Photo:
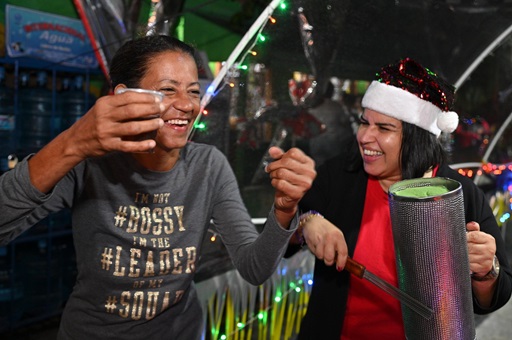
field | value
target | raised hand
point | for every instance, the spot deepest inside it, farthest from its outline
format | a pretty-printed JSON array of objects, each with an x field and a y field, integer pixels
[{"x": 291, "y": 174}]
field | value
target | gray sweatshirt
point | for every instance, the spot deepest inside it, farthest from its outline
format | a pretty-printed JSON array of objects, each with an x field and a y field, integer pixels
[{"x": 138, "y": 236}]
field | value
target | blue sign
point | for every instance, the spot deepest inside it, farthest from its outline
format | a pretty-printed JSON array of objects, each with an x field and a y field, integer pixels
[{"x": 51, "y": 37}]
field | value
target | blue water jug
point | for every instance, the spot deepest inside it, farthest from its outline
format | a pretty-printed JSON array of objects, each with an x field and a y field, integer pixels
[
  {"x": 7, "y": 122},
  {"x": 39, "y": 122},
  {"x": 74, "y": 101}
]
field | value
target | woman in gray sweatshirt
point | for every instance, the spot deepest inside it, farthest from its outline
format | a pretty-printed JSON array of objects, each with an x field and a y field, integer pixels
[{"x": 141, "y": 204}]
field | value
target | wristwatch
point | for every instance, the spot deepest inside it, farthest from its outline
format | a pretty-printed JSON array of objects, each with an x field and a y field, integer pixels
[{"x": 492, "y": 274}]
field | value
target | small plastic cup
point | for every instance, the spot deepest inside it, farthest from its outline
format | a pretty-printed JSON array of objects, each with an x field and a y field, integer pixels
[{"x": 159, "y": 95}]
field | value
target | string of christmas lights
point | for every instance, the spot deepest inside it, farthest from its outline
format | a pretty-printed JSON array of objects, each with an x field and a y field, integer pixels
[
  {"x": 235, "y": 309},
  {"x": 501, "y": 199},
  {"x": 235, "y": 61}
]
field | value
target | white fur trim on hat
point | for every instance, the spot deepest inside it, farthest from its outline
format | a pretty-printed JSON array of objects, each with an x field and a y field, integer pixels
[
  {"x": 403, "y": 105},
  {"x": 447, "y": 121}
]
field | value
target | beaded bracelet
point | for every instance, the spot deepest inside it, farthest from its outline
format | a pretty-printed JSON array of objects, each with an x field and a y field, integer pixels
[{"x": 303, "y": 218}]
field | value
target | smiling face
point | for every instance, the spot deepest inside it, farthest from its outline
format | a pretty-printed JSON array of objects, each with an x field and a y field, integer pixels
[
  {"x": 380, "y": 141},
  {"x": 175, "y": 75}
]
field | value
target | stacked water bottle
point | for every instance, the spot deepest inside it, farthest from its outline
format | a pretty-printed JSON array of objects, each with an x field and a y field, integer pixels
[
  {"x": 7, "y": 122},
  {"x": 73, "y": 101},
  {"x": 38, "y": 115},
  {"x": 34, "y": 114}
]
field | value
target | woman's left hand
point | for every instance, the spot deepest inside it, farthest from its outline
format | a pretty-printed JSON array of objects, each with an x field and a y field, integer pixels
[
  {"x": 481, "y": 249},
  {"x": 291, "y": 174}
]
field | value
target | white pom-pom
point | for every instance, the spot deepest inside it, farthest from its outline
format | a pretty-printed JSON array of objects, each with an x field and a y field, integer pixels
[{"x": 447, "y": 121}]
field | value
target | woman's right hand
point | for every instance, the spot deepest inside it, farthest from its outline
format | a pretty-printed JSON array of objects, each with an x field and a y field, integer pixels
[
  {"x": 325, "y": 241},
  {"x": 110, "y": 125},
  {"x": 113, "y": 123}
]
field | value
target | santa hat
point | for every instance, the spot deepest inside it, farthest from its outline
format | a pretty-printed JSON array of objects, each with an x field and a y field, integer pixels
[{"x": 411, "y": 93}]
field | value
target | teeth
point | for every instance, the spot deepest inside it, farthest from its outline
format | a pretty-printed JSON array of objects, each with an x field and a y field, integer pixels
[
  {"x": 372, "y": 153},
  {"x": 177, "y": 121}
]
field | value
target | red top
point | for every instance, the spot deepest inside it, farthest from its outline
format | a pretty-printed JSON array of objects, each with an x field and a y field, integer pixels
[{"x": 371, "y": 313}]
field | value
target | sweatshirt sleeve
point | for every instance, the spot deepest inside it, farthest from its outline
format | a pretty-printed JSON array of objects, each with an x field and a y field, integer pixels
[
  {"x": 255, "y": 255},
  {"x": 21, "y": 204}
]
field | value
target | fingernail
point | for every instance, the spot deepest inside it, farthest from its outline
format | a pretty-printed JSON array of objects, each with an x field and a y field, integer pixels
[
  {"x": 162, "y": 107},
  {"x": 338, "y": 268}
]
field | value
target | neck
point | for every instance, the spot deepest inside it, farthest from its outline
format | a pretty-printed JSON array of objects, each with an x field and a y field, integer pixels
[
  {"x": 158, "y": 160},
  {"x": 385, "y": 183},
  {"x": 429, "y": 173}
]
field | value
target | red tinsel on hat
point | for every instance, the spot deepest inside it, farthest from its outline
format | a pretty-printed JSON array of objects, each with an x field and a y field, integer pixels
[{"x": 397, "y": 86}]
